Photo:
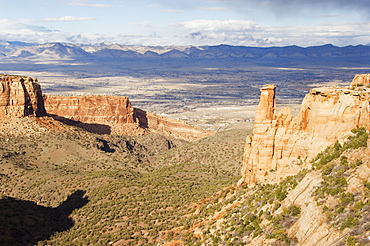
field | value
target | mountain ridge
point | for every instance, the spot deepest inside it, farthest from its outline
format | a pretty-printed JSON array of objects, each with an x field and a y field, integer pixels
[{"x": 76, "y": 51}]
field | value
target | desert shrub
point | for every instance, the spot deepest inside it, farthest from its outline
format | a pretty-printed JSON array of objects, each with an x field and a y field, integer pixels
[
  {"x": 280, "y": 235},
  {"x": 330, "y": 153},
  {"x": 346, "y": 198},
  {"x": 351, "y": 240},
  {"x": 348, "y": 222}
]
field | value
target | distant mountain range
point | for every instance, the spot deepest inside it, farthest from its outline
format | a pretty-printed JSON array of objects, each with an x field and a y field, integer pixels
[{"x": 116, "y": 51}]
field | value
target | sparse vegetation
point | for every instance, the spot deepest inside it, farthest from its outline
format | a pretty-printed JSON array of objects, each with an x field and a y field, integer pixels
[
  {"x": 134, "y": 197},
  {"x": 147, "y": 196}
]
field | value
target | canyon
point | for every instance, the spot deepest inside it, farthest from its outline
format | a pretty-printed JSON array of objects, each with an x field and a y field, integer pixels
[
  {"x": 282, "y": 145},
  {"x": 148, "y": 192},
  {"x": 22, "y": 96}
]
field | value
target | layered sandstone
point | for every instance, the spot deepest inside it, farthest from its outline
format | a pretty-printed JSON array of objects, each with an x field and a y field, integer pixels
[
  {"x": 101, "y": 114},
  {"x": 170, "y": 127},
  {"x": 361, "y": 79},
  {"x": 20, "y": 96},
  {"x": 115, "y": 115},
  {"x": 282, "y": 145}
]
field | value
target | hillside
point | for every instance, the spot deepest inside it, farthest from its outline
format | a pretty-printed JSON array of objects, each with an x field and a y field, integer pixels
[
  {"x": 127, "y": 198},
  {"x": 327, "y": 204},
  {"x": 63, "y": 185}
]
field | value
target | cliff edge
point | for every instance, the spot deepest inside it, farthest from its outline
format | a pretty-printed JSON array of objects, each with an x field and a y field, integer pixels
[
  {"x": 281, "y": 145},
  {"x": 115, "y": 115},
  {"x": 20, "y": 96}
]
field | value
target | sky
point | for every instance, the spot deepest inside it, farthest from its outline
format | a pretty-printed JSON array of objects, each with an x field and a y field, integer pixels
[{"x": 257, "y": 23}]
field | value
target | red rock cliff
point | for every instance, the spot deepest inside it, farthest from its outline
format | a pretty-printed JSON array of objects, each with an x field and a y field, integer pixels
[
  {"x": 117, "y": 113},
  {"x": 170, "y": 127},
  {"x": 280, "y": 144},
  {"x": 20, "y": 96},
  {"x": 114, "y": 112}
]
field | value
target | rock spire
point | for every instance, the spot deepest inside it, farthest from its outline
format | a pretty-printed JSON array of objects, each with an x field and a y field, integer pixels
[{"x": 281, "y": 145}]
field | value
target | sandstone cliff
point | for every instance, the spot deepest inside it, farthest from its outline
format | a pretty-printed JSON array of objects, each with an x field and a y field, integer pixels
[
  {"x": 282, "y": 145},
  {"x": 115, "y": 115},
  {"x": 100, "y": 114},
  {"x": 169, "y": 127},
  {"x": 20, "y": 96},
  {"x": 361, "y": 79}
]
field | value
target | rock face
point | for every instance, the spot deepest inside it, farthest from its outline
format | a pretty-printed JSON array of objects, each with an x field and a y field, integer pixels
[
  {"x": 20, "y": 96},
  {"x": 169, "y": 127},
  {"x": 282, "y": 145},
  {"x": 115, "y": 115},
  {"x": 361, "y": 79},
  {"x": 102, "y": 114}
]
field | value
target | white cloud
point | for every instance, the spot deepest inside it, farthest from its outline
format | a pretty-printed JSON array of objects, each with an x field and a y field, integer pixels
[
  {"x": 84, "y": 3},
  {"x": 239, "y": 32},
  {"x": 204, "y": 32},
  {"x": 144, "y": 24},
  {"x": 173, "y": 10},
  {"x": 67, "y": 19},
  {"x": 154, "y": 6},
  {"x": 218, "y": 25},
  {"x": 214, "y": 9}
]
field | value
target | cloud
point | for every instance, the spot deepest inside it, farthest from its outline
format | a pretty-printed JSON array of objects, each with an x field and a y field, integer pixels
[
  {"x": 154, "y": 6},
  {"x": 173, "y": 10},
  {"x": 144, "y": 24},
  {"x": 338, "y": 3},
  {"x": 214, "y": 9},
  {"x": 241, "y": 32},
  {"x": 67, "y": 19},
  {"x": 218, "y": 25},
  {"x": 15, "y": 31},
  {"x": 83, "y": 3},
  {"x": 204, "y": 32}
]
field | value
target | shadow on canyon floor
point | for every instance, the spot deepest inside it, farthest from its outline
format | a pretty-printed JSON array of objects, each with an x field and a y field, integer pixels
[
  {"x": 25, "y": 223},
  {"x": 93, "y": 128}
]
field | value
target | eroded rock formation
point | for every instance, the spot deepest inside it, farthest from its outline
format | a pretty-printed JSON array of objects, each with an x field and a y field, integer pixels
[
  {"x": 170, "y": 127},
  {"x": 101, "y": 114},
  {"x": 115, "y": 115},
  {"x": 20, "y": 96},
  {"x": 361, "y": 79},
  {"x": 282, "y": 145}
]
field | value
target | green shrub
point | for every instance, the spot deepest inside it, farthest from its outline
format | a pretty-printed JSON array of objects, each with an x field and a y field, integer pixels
[
  {"x": 348, "y": 222},
  {"x": 351, "y": 240},
  {"x": 280, "y": 235}
]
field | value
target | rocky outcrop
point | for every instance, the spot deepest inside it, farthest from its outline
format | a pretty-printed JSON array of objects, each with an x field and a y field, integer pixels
[
  {"x": 361, "y": 79},
  {"x": 281, "y": 145},
  {"x": 20, "y": 96},
  {"x": 115, "y": 115},
  {"x": 170, "y": 127},
  {"x": 311, "y": 228},
  {"x": 100, "y": 114}
]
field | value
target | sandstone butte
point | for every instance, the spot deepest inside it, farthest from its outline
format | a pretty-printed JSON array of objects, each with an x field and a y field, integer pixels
[
  {"x": 281, "y": 145},
  {"x": 22, "y": 96},
  {"x": 117, "y": 116}
]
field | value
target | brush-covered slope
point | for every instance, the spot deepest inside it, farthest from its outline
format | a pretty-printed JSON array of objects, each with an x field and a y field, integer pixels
[
  {"x": 326, "y": 204},
  {"x": 103, "y": 188}
]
